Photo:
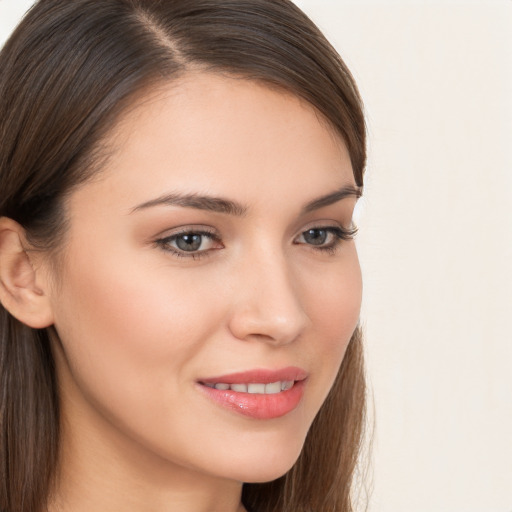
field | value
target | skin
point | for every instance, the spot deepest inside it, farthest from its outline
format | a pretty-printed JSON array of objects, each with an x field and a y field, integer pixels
[{"x": 138, "y": 325}]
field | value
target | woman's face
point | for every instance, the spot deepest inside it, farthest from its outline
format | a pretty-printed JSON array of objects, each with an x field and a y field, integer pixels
[{"x": 209, "y": 251}]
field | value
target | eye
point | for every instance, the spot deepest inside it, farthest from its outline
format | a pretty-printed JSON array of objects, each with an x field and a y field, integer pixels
[
  {"x": 190, "y": 243},
  {"x": 316, "y": 236},
  {"x": 325, "y": 238}
]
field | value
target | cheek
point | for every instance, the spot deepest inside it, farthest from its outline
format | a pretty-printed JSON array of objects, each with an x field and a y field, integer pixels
[
  {"x": 130, "y": 334},
  {"x": 334, "y": 309},
  {"x": 121, "y": 321}
]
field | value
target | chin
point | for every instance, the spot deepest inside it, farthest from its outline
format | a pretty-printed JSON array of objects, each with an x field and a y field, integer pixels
[
  {"x": 267, "y": 474},
  {"x": 261, "y": 463}
]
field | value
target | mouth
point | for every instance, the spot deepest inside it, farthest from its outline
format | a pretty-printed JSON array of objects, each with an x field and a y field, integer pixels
[
  {"x": 254, "y": 388},
  {"x": 258, "y": 394}
]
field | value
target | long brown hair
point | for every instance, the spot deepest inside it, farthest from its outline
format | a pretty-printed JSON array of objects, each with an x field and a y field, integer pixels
[{"x": 66, "y": 74}]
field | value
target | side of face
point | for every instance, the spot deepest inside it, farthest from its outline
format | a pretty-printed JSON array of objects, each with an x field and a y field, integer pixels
[{"x": 162, "y": 291}]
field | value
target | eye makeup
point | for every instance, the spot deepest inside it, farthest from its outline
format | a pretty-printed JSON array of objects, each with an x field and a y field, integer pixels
[{"x": 195, "y": 243}]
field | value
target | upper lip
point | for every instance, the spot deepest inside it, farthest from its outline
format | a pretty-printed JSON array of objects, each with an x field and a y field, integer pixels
[{"x": 259, "y": 375}]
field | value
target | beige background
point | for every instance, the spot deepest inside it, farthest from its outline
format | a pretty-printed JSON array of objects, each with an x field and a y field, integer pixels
[{"x": 435, "y": 243}]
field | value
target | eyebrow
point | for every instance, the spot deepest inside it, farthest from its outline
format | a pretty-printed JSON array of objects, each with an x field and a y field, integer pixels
[
  {"x": 229, "y": 207},
  {"x": 210, "y": 203},
  {"x": 334, "y": 197}
]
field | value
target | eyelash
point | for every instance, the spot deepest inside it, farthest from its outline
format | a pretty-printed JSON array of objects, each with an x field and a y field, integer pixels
[
  {"x": 164, "y": 243},
  {"x": 340, "y": 234}
]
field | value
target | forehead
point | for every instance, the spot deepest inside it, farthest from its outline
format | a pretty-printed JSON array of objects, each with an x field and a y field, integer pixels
[
  {"x": 207, "y": 131},
  {"x": 210, "y": 93}
]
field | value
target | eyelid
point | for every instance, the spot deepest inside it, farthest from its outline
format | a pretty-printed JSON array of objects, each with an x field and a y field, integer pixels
[
  {"x": 164, "y": 240},
  {"x": 347, "y": 232},
  {"x": 339, "y": 232},
  {"x": 186, "y": 228},
  {"x": 336, "y": 229}
]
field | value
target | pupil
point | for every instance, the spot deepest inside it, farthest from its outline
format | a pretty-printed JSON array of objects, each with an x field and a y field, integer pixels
[
  {"x": 189, "y": 242},
  {"x": 315, "y": 236}
]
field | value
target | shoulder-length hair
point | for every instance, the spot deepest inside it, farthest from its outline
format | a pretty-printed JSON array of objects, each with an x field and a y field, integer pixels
[{"x": 66, "y": 74}]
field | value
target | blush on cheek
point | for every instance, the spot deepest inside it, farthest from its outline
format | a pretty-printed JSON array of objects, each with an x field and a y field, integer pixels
[
  {"x": 337, "y": 307},
  {"x": 335, "y": 315},
  {"x": 133, "y": 314}
]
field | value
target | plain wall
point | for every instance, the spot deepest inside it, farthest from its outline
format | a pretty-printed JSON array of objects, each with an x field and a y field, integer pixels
[{"x": 435, "y": 243}]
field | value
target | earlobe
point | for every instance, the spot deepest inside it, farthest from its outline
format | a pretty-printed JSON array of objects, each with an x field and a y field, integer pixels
[{"x": 21, "y": 292}]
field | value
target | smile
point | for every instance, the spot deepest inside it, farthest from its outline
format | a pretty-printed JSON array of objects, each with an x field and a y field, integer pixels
[
  {"x": 254, "y": 388},
  {"x": 258, "y": 394}
]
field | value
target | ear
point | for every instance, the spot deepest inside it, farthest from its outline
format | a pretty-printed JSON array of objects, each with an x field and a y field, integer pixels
[{"x": 22, "y": 287}]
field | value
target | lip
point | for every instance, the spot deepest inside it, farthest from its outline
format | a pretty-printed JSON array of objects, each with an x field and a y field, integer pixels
[
  {"x": 258, "y": 406},
  {"x": 260, "y": 375}
]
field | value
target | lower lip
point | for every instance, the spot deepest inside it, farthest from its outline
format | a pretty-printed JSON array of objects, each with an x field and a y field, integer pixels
[{"x": 258, "y": 406}]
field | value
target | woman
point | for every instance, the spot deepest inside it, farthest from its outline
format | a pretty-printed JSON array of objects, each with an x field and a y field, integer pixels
[{"x": 179, "y": 283}]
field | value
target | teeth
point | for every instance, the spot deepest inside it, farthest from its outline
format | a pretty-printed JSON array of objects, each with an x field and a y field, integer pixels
[
  {"x": 271, "y": 389},
  {"x": 286, "y": 384},
  {"x": 255, "y": 388}
]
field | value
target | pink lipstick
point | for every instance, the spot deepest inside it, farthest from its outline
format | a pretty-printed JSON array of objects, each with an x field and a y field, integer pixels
[{"x": 259, "y": 393}]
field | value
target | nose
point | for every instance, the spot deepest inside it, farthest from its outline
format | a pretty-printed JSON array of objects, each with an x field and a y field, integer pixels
[{"x": 267, "y": 303}]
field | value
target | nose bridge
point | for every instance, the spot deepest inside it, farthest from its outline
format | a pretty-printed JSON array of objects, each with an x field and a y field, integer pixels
[{"x": 267, "y": 303}]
